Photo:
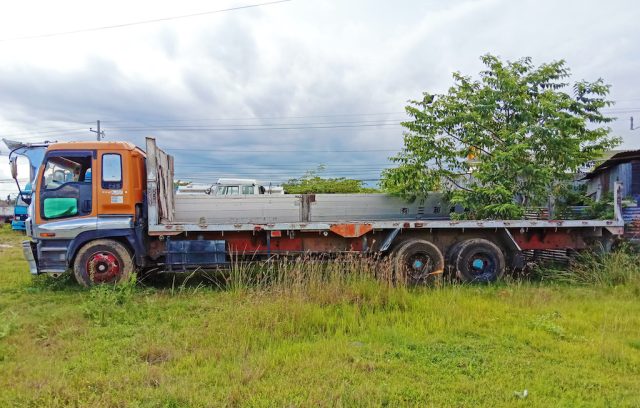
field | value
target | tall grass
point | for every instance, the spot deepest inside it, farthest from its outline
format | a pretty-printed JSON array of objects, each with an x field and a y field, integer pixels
[
  {"x": 351, "y": 278},
  {"x": 618, "y": 267},
  {"x": 307, "y": 271}
]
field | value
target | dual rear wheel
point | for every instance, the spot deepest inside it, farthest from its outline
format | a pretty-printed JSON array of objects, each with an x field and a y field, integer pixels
[{"x": 474, "y": 260}]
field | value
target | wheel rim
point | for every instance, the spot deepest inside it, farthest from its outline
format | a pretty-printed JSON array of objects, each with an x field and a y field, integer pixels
[
  {"x": 419, "y": 266},
  {"x": 482, "y": 266},
  {"x": 103, "y": 267}
]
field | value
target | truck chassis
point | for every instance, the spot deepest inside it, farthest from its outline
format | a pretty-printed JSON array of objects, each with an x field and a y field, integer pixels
[{"x": 136, "y": 221}]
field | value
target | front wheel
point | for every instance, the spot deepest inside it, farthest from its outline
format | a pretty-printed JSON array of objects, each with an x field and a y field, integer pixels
[{"x": 102, "y": 261}]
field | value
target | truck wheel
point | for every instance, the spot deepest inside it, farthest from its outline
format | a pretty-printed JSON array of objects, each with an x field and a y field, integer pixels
[
  {"x": 102, "y": 261},
  {"x": 450, "y": 258},
  {"x": 479, "y": 260},
  {"x": 419, "y": 262}
]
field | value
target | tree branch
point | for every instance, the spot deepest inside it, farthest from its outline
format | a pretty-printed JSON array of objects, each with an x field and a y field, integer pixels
[
  {"x": 460, "y": 140},
  {"x": 457, "y": 185},
  {"x": 491, "y": 132}
]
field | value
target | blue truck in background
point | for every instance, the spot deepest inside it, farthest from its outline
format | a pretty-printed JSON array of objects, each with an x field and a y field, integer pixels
[{"x": 20, "y": 210}]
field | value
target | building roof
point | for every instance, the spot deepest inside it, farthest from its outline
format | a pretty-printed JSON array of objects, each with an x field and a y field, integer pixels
[{"x": 612, "y": 159}]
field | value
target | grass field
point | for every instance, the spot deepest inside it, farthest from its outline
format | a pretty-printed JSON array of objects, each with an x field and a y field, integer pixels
[{"x": 361, "y": 344}]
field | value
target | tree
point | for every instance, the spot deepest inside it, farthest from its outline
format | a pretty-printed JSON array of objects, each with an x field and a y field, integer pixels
[
  {"x": 311, "y": 183},
  {"x": 513, "y": 138}
]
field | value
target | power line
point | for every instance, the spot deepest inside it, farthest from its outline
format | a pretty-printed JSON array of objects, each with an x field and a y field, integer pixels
[
  {"x": 281, "y": 171},
  {"x": 222, "y": 150},
  {"x": 287, "y": 165},
  {"x": 276, "y": 181},
  {"x": 155, "y": 20},
  {"x": 620, "y": 110},
  {"x": 47, "y": 131},
  {"x": 228, "y": 127},
  {"x": 245, "y": 129},
  {"x": 262, "y": 117},
  {"x": 326, "y": 166},
  {"x": 149, "y": 126}
]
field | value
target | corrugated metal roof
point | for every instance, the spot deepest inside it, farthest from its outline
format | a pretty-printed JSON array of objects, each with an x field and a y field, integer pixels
[{"x": 614, "y": 159}]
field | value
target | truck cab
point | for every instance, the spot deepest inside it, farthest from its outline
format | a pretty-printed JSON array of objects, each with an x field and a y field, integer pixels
[{"x": 82, "y": 192}]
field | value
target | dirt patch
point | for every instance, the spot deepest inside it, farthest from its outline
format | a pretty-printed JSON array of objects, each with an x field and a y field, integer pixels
[{"x": 155, "y": 355}]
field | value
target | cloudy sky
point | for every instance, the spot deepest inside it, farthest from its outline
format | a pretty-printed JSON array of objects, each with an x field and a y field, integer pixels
[{"x": 272, "y": 91}]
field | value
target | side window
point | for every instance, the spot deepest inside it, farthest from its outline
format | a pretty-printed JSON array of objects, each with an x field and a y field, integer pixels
[
  {"x": 111, "y": 171},
  {"x": 233, "y": 190},
  {"x": 247, "y": 190},
  {"x": 61, "y": 170},
  {"x": 66, "y": 185}
]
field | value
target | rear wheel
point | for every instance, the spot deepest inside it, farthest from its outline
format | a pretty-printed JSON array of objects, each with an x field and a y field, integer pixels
[
  {"x": 450, "y": 259},
  {"x": 418, "y": 262},
  {"x": 478, "y": 260},
  {"x": 102, "y": 261}
]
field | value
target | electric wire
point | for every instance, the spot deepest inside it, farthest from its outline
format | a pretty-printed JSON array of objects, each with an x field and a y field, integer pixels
[{"x": 150, "y": 21}]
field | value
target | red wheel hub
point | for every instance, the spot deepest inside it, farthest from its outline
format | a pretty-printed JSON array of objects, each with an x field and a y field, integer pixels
[{"x": 103, "y": 267}]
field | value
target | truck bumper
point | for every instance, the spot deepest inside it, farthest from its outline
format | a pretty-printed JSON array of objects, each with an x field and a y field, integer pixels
[{"x": 27, "y": 249}]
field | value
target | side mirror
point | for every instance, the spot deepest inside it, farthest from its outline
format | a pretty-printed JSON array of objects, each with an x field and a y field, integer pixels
[{"x": 14, "y": 167}]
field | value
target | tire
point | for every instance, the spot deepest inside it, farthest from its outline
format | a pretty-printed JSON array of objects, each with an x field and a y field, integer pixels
[
  {"x": 479, "y": 261},
  {"x": 450, "y": 258},
  {"x": 102, "y": 261},
  {"x": 418, "y": 262}
]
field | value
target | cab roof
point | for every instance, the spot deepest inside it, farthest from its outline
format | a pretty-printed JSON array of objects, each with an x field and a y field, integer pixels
[{"x": 93, "y": 146}]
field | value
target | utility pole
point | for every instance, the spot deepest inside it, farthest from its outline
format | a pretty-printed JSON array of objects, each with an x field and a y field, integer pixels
[
  {"x": 631, "y": 127},
  {"x": 98, "y": 132}
]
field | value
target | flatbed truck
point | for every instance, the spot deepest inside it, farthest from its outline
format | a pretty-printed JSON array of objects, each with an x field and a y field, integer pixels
[{"x": 107, "y": 209}]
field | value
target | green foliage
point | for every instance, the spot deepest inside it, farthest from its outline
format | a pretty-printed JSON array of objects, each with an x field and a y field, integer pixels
[
  {"x": 570, "y": 197},
  {"x": 513, "y": 138},
  {"x": 484, "y": 202},
  {"x": 601, "y": 210},
  {"x": 179, "y": 183},
  {"x": 46, "y": 282},
  {"x": 312, "y": 183},
  {"x": 575, "y": 195}
]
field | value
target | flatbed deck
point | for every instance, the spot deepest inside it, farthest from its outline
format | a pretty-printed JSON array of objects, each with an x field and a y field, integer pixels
[{"x": 170, "y": 214}]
